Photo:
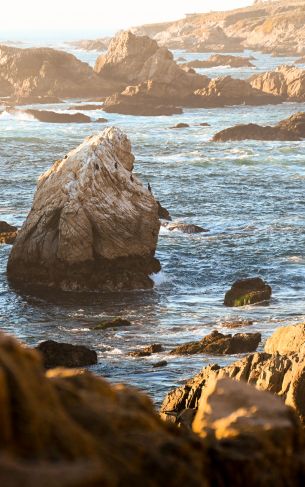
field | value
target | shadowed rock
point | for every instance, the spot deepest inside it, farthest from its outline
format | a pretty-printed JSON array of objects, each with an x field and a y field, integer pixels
[
  {"x": 287, "y": 82},
  {"x": 219, "y": 344},
  {"x": 116, "y": 323},
  {"x": 53, "y": 117},
  {"x": 65, "y": 355},
  {"x": 8, "y": 233},
  {"x": 91, "y": 226},
  {"x": 147, "y": 351},
  {"x": 184, "y": 228},
  {"x": 248, "y": 291}
]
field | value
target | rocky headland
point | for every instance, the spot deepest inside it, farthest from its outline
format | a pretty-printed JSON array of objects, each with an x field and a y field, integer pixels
[{"x": 92, "y": 226}]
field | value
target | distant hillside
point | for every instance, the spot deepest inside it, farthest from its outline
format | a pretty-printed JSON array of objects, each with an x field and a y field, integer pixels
[{"x": 268, "y": 25}]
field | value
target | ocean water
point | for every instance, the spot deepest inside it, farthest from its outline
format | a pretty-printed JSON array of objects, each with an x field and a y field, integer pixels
[{"x": 249, "y": 195}]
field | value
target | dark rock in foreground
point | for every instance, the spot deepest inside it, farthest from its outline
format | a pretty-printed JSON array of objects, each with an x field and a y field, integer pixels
[
  {"x": 219, "y": 344},
  {"x": 8, "y": 233},
  {"x": 93, "y": 226},
  {"x": 65, "y": 355},
  {"x": 248, "y": 291},
  {"x": 291, "y": 129}
]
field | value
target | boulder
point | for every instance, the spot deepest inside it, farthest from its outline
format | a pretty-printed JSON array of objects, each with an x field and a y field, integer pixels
[
  {"x": 56, "y": 354},
  {"x": 248, "y": 291},
  {"x": 147, "y": 351},
  {"x": 180, "y": 125},
  {"x": 92, "y": 226},
  {"x": 249, "y": 432},
  {"x": 218, "y": 344},
  {"x": 162, "y": 363},
  {"x": 8, "y": 233},
  {"x": 225, "y": 90},
  {"x": 292, "y": 128},
  {"x": 287, "y": 82},
  {"x": 47, "y": 72},
  {"x": 116, "y": 323},
  {"x": 286, "y": 340},
  {"x": 184, "y": 227},
  {"x": 69, "y": 428},
  {"x": 221, "y": 60}
]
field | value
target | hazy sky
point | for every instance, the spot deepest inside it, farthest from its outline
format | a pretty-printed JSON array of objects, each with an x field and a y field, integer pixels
[{"x": 94, "y": 17}]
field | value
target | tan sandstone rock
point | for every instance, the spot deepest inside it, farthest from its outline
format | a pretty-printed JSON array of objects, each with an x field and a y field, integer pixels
[
  {"x": 286, "y": 340},
  {"x": 285, "y": 81},
  {"x": 92, "y": 226}
]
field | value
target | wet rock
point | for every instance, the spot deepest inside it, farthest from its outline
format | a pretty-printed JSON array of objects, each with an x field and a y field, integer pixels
[
  {"x": 69, "y": 428},
  {"x": 292, "y": 128},
  {"x": 101, "y": 120},
  {"x": 35, "y": 72},
  {"x": 147, "y": 351},
  {"x": 65, "y": 355},
  {"x": 86, "y": 107},
  {"x": 91, "y": 228},
  {"x": 221, "y": 60},
  {"x": 286, "y": 340},
  {"x": 54, "y": 117},
  {"x": 163, "y": 212},
  {"x": 8, "y": 233},
  {"x": 249, "y": 431},
  {"x": 248, "y": 291},
  {"x": 204, "y": 124},
  {"x": 236, "y": 323},
  {"x": 180, "y": 125},
  {"x": 184, "y": 228},
  {"x": 217, "y": 343},
  {"x": 162, "y": 363},
  {"x": 116, "y": 323}
]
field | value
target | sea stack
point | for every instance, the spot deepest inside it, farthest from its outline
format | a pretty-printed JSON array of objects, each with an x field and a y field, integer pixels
[{"x": 91, "y": 226}]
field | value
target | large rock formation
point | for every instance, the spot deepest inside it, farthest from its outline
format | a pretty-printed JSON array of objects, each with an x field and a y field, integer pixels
[
  {"x": 285, "y": 81},
  {"x": 68, "y": 428},
  {"x": 275, "y": 27},
  {"x": 92, "y": 226},
  {"x": 286, "y": 340},
  {"x": 292, "y": 128},
  {"x": 46, "y": 72}
]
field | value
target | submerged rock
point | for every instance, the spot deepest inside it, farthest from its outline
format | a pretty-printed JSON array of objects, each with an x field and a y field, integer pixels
[
  {"x": 239, "y": 323},
  {"x": 116, "y": 323},
  {"x": 221, "y": 60},
  {"x": 180, "y": 125},
  {"x": 8, "y": 233},
  {"x": 217, "y": 343},
  {"x": 92, "y": 226},
  {"x": 53, "y": 117},
  {"x": 184, "y": 227},
  {"x": 292, "y": 128},
  {"x": 65, "y": 355},
  {"x": 162, "y": 363},
  {"x": 147, "y": 351},
  {"x": 248, "y": 291}
]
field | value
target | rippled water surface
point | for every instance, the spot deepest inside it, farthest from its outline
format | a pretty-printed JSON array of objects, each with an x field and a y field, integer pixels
[{"x": 249, "y": 195}]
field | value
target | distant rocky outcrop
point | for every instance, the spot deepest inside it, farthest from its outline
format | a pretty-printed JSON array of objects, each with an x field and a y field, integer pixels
[
  {"x": 293, "y": 128},
  {"x": 287, "y": 82},
  {"x": 90, "y": 44},
  {"x": 248, "y": 291},
  {"x": 57, "y": 354},
  {"x": 45, "y": 72},
  {"x": 220, "y": 344},
  {"x": 92, "y": 226},
  {"x": 221, "y": 60},
  {"x": 8, "y": 233}
]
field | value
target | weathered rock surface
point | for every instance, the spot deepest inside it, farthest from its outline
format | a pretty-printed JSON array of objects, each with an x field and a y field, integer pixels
[
  {"x": 184, "y": 227},
  {"x": 286, "y": 340},
  {"x": 219, "y": 344},
  {"x": 68, "y": 428},
  {"x": 251, "y": 432},
  {"x": 293, "y": 128},
  {"x": 92, "y": 226},
  {"x": 8, "y": 233},
  {"x": 57, "y": 354},
  {"x": 225, "y": 90},
  {"x": 147, "y": 351},
  {"x": 47, "y": 72},
  {"x": 221, "y": 60},
  {"x": 248, "y": 291},
  {"x": 287, "y": 82}
]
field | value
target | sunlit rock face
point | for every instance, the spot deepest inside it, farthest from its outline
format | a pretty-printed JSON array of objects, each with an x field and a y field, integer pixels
[
  {"x": 285, "y": 81},
  {"x": 92, "y": 226}
]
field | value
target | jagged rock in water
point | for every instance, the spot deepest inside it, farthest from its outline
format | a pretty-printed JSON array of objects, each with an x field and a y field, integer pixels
[
  {"x": 92, "y": 226},
  {"x": 164, "y": 214},
  {"x": 184, "y": 227},
  {"x": 217, "y": 343},
  {"x": 68, "y": 428},
  {"x": 8, "y": 233},
  {"x": 52, "y": 117},
  {"x": 147, "y": 351},
  {"x": 248, "y": 291},
  {"x": 46, "y": 72},
  {"x": 116, "y": 323},
  {"x": 57, "y": 354},
  {"x": 221, "y": 60},
  {"x": 286, "y": 340},
  {"x": 225, "y": 90},
  {"x": 249, "y": 432},
  {"x": 285, "y": 81}
]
